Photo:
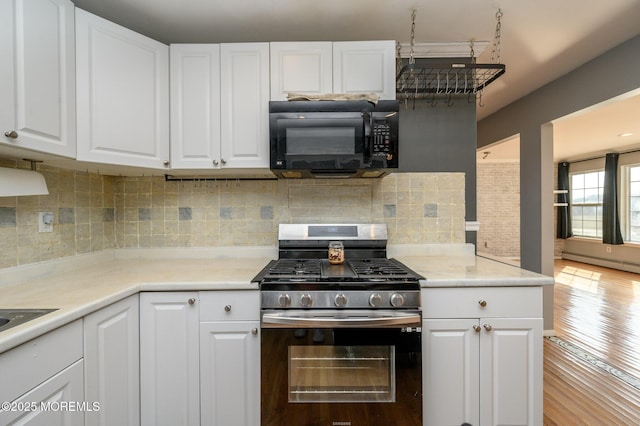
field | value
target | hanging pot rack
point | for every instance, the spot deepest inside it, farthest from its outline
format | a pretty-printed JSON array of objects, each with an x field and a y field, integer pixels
[{"x": 426, "y": 81}]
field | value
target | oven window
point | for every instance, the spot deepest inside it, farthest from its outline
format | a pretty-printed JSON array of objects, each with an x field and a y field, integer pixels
[
  {"x": 342, "y": 374},
  {"x": 321, "y": 140}
]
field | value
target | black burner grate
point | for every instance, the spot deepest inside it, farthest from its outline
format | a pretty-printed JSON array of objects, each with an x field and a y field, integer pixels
[
  {"x": 382, "y": 267},
  {"x": 296, "y": 267}
]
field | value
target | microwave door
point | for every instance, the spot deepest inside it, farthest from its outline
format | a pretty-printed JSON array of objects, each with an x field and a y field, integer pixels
[{"x": 323, "y": 137}]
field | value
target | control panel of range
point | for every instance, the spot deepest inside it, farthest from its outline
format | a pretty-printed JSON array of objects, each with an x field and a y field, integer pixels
[{"x": 340, "y": 299}]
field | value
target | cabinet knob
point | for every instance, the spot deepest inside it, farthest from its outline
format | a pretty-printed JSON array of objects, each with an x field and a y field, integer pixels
[
  {"x": 166, "y": 163},
  {"x": 216, "y": 162},
  {"x": 11, "y": 134},
  {"x": 482, "y": 303},
  {"x": 223, "y": 161},
  {"x": 254, "y": 331},
  {"x": 191, "y": 301},
  {"x": 227, "y": 308},
  {"x": 488, "y": 327},
  {"x": 477, "y": 328}
]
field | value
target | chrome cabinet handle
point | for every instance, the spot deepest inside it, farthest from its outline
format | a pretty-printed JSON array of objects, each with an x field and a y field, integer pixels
[
  {"x": 254, "y": 331},
  {"x": 227, "y": 308},
  {"x": 223, "y": 161},
  {"x": 216, "y": 162},
  {"x": 12, "y": 134},
  {"x": 488, "y": 327},
  {"x": 191, "y": 301},
  {"x": 166, "y": 163},
  {"x": 477, "y": 328},
  {"x": 482, "y": 303}
]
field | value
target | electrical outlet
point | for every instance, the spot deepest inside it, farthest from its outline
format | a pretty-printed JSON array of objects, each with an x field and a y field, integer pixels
[
  {"x": 45, "y": 222},
  {"x": 608, "y": 249}
]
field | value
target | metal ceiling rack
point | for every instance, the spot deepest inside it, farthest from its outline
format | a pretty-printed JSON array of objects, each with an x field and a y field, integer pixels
[
  {"x": 426, "y": 81},
  {"x": 446, "y": 78}
]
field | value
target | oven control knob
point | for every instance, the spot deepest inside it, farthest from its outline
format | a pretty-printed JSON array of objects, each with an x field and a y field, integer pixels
[
  {"x": 306, "y": 301},
  {"x": 397, "y": 300},
  {"x": 284, "y": 300},
  {"x": 340, "y": 300},
  {"x": 375, "y": 300}
]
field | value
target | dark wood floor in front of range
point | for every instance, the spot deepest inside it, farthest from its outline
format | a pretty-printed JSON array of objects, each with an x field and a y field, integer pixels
[{"x": 592, "y": 369}]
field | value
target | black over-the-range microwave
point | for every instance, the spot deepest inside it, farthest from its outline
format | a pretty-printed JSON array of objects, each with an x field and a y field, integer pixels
[{"x": 333, "y": 139}]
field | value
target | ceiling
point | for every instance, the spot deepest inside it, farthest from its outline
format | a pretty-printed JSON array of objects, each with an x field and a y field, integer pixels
[
  {"x": 540, "y": 40},
  {"x": 612, "y": 126}
]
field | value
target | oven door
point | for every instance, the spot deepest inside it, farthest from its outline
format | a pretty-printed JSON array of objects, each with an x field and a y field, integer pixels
[{"x": 348, "y": 368}]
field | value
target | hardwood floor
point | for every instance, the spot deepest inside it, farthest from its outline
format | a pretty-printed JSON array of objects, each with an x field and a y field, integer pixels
[{"x": 592, "y": 369}]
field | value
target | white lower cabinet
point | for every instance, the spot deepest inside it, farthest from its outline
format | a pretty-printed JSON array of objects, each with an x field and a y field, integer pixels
[
  {"x": 46, "y": 380},
  {"x": 230, "y": 358},
  {"x": 200, "y": 358},
  {"x": 482, "y": 356},
  {"x": 58, "y": 401},
  {"x": 112, "y": 363},
  {"x": 169, "y": 359},
  {"x": 230, "y": 373}
]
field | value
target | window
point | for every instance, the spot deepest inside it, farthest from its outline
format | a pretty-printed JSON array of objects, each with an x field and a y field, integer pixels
[
  {"x": 586, "y": 204},
  {"x": 634, "y": 204}
]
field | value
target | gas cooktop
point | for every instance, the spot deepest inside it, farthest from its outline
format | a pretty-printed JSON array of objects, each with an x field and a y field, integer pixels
[{"x": 371, "y": 270}]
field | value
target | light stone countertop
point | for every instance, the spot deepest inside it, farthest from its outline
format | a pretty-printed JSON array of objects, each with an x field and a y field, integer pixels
[{"x": 83, "y": 284}]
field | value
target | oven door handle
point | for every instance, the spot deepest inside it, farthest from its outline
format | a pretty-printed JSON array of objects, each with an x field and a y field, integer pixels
[{"x": 340, "y": 319}]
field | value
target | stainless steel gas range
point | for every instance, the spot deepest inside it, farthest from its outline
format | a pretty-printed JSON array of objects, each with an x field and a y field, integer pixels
[{"x": 340, "y": 322}]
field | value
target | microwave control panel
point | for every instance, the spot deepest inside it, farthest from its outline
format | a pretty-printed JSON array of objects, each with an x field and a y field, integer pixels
[{"x": 381, "y": 137}]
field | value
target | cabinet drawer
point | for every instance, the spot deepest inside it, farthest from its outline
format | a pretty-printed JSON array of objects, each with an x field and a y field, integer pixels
[
  {"x": 479, "y": 302},
  {"x": 33, "y": 362},
  {"x": 230, "y": 305}
]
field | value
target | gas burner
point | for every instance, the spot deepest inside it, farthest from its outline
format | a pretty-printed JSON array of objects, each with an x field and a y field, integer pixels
[
  {"x": 382, "y": 266},
  {"x": 295, "y": 267}
]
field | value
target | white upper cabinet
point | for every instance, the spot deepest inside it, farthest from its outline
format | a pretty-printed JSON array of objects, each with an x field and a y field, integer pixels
[
  {"x": 122, "y": 93},
  {"x": 365, "y": 67},
  {"x": 195, "y": 106},
  {"x": 244, "y": 92},
  {"x": 349, "y": 67},
  {"x": 301, "y": 67},
  {"x": 37, "y": 75}
]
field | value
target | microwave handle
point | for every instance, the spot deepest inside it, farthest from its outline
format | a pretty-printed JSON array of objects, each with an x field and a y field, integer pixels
[{"x": 367, "y": 120}]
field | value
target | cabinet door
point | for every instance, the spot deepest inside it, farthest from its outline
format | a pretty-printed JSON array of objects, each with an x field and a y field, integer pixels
[
  {"x": 244, "y": 90},
  {"x": 123, "y": 95},
  {"x": 112, "y": 363},
  {"x": 230, "y": 373},
  {"x": 37, "y": 76},
  {"x": 301, "y": 67},
  {"x": 511, "y": 371},
  {"x": 195, "y": 106},
  {"x": 46, "y": 402},
  {"x": 169, "y": 370},
  {"x": 365, "y": 67},
  {"x": 450, "y": 380}
]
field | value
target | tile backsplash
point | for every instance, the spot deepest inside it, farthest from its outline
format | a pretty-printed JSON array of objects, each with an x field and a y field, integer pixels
[{"x": 95, "y": 212}]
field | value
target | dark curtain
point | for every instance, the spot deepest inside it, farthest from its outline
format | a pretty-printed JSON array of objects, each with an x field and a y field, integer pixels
[
  {"x": 610, "y": 221},
  {"x": 564, "y": 212}
]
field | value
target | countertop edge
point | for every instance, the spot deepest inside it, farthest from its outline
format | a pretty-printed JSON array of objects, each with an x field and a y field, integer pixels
[{"x": 487, "y": 282}]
